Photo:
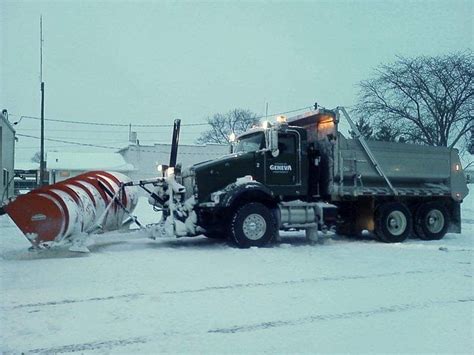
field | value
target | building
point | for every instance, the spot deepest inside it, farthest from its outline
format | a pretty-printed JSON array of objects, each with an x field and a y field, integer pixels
[
  {"x": 7, "y": 156},
  {"x": 146, "y": 158},
  {"x": 63, "y": 165}
]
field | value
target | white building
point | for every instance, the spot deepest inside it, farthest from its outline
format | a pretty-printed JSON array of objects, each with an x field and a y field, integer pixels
[
  {"x": 7, "y": 156},
  {"x": 146, "y": 158},
  {"x": 63, "y": 165}
]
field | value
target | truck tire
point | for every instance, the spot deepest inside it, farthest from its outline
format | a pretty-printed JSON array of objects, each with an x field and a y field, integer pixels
[
  {"x": 393, "y": 222},
  {"x": 431, "y": 221},
  {"x": 253, "y": 224}
]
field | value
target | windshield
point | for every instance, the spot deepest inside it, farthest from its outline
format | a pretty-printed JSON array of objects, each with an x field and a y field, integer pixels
[{"x": 250, "y": 143}]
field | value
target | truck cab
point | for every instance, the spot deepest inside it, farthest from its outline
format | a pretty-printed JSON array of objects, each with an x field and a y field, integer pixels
[
  {"x": 279, "y": 167},
  {"x": 271, "y": 167}
]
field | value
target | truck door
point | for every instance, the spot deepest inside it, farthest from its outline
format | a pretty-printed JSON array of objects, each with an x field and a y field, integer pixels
[{"x": 282, "y": 173}]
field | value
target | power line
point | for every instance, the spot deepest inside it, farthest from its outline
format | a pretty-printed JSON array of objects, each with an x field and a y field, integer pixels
[
  {"x": 106, "y": 124},
  {"x": 100, "y": 132},
  {"x": 94, "y": 139},
  {"x": 68, "y": 142},
  {"x": 110, "y": 147},
  {"x": 141, "y": 124},
  {"x": 122, "y": 125},
  {"x": 285, "y": 112},
  {"x": 49, "y": 147}
]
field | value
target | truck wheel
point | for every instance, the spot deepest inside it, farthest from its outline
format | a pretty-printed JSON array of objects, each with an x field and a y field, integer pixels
[
  {"x": 393, "y": 222},
  {"x": 253, "y": 225},
  {"x": 431, "y": 221}
]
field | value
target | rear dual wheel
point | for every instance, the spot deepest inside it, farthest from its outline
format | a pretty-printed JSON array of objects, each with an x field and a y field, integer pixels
[
  {"x": 393, "y": 222},
  {"x": 431, "y": 221}
]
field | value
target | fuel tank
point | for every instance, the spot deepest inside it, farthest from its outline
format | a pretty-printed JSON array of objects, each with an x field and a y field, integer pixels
[{"x": 77, "y": 205}]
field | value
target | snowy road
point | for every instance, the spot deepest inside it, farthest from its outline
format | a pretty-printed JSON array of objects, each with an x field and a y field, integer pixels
[{"x": 198, "y": 295}]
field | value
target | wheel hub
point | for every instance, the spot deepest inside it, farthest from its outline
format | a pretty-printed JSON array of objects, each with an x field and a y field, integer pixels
[
  {"x": 396, "y": 223},
  {"x": 254, "y": 226},
  {"x": 435, "y": 221}
]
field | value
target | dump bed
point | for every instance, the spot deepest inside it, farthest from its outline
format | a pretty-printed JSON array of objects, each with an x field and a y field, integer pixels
[
  {"x": 412, "y": 169},
  {"x": 354, "y": 167}
]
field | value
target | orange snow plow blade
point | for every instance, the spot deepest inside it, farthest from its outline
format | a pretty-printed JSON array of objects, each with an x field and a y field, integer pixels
[{"x": 81, "y": 204}]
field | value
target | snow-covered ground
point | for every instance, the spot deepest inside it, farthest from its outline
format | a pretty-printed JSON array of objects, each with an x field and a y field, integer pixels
[{"x": 132, "y": 294}]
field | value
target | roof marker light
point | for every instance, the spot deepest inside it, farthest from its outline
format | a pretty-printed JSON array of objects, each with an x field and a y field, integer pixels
[{"x": 281, "y": 119}]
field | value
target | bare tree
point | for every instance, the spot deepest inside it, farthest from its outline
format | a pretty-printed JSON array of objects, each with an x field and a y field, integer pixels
[
  {"x": 467, "y": 149},
  {"x": 470, "y": 143},
  {"x": 387, "y": 133},
  {"x": 365, "y": 128},
  {"x": 429, "y": 100},
  {"x": 221, "y": 125}
]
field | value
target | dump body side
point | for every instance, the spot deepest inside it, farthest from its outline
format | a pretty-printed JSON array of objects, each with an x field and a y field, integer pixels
[{"x": 411, "y": 168}]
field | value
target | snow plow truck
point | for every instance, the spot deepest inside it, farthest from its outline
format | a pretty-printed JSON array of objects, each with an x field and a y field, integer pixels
[{"x": 301, "y": 173}]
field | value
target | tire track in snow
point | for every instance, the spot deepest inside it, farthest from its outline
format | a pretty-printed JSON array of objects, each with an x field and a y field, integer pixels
[
  {"x": 336, "y": 316},
  {"x": 67, "y": 301},
  {"x": 89, "y": 346},
  {"x": 229, "y": 287},
  {"x": 111, "y": 344},
  {"x": 300, "y": 281}
]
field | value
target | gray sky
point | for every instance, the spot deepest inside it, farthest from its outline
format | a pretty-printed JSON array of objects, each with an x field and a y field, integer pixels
[{"x": 151, "y": 62}]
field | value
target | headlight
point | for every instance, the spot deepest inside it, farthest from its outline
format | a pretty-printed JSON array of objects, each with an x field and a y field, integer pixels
[{"x": 161, "y": 168}]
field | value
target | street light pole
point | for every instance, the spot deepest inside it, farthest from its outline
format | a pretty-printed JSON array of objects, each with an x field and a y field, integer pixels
[{"x": 42, "y": 162}]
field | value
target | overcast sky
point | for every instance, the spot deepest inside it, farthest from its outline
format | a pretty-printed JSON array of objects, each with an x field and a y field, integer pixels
[{"x": 153, "y": 61}]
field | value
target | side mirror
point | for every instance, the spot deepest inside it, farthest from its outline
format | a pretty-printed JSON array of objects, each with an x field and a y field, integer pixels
[{"x": 273, "y": 142}]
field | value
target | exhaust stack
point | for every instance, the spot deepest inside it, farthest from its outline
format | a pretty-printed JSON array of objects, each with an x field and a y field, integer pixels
[{"x": 175, "y": 143}]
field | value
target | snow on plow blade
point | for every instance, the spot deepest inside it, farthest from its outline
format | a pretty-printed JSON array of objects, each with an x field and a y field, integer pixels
[{"x": 79, "y": 205}]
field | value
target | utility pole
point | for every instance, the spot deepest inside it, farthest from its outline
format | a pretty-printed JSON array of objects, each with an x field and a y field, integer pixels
[{"x": 42, "y": 162}]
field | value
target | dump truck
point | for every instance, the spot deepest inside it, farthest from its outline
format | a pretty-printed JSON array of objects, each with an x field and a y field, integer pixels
[
  {"x": 302, "y": 173},
  {"x": 299, "y": 173}
]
